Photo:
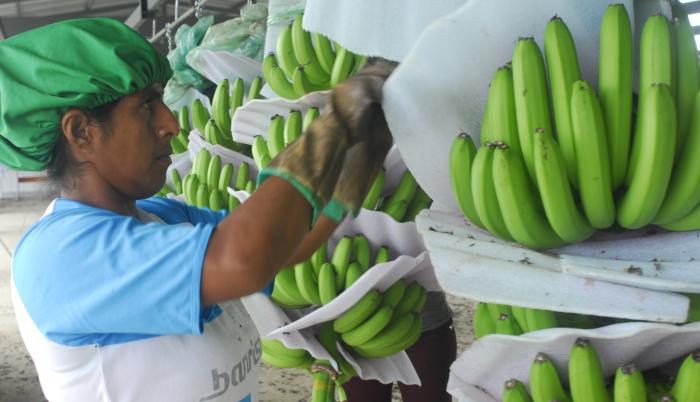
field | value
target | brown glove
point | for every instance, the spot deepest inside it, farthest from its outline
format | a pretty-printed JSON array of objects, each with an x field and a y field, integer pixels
[{"x": 357, "y": 103}]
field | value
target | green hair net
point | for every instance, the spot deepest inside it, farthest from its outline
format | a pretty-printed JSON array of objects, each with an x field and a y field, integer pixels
[{"x": 80, "y": 63}]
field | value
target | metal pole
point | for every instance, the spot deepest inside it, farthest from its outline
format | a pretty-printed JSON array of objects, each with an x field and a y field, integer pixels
[{"x": 177, "y": 22}]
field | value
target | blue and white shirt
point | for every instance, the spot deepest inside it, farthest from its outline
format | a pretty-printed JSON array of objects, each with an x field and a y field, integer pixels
[{"x": 109, "y": 307}]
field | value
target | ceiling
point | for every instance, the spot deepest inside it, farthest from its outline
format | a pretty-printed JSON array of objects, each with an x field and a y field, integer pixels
[{"x": 20, "y": 15}]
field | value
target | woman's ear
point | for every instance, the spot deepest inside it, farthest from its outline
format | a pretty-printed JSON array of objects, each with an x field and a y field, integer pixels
[{"x": 76, "y": 128}]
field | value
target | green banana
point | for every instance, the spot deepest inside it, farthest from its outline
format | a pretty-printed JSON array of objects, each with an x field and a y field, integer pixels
[
  {"x": 261, "y": 155},
  {"x": 202, "y": 197},
  {"x": 496, "y": 310},
  {"x": 382, "y": 255},
  {"x": 392, "y": 333},
  {"x": 309, "y": 116},
  {"x": 201, "y": 164},
  {"x": 686, "y": 75},
  {"x": 177, "y": 144},
  {"x": 629, "y": 385},
  {"x": 273, "y": 355},
  {"x": 242, "y": 176},
  {"x": 304, "y": 51},
  {"x": 502, "y": 123},
  {"x": 324, "y": 52},
  {"x": 420, "y": 303},
  {"x": 214, "y": 171},
  {"x": 200, "y": 116},
  {"x": 506, "y": 325},
  {"x": 341, "y": 260},
  {"x": 358, "y": 313},
  {"x": 375, "y": 191},
  {"x": 586, "y": 379},
  {"x": 520, "y": 315},
  {"x": 404, "y": 191},
  {"x": 216, "y": 200},
  {"x": 592, "y": 157},
  {"x": 557, "y": 198},
  {"x": 225, "y": 178},
  {"x": 615, "y": 87},
  {"x": 302, "y": 83},
  {"x": 515, "y": 391},
  {"x": 369, "y": 328},
  {"x": 540, "y": 319},
  {"x": 255, "y": 88},
  {"x": 545, "y": 385},
  {"x": 482, "y": 322},
  {"x": 686, "y": 388},
  {"x": 353, "y": 273},
  {"x": 326, "y": 283},
  {"x": 177, "y": 181},
  {"x": 275, "y": 78},
  {"x": 421, "y": 200},
  {"x": 319, "y": 257},
  {"x": 275, "y": 135},
  {"x": 684, "y": 188},
  {"x": 220, "y": 105},
  {"x": 191, "y": 185},
  {"x": 531, "y": 98},
  {"x": 292, "y": 126},
  {"x": 285, "y": 283},
  {"x": 236, "y": 100},
  {"x": 342, "y": 66},
  {"x": 409, "y": 338},
  {"x": 285, "y": 51},
  {"x": 462, "y": 153},
  {"x": 250, "y": 186},
  {"x": 655, "y": 56},
  {"x": 233, "y": 203},
  {"x": 360, "y": 251},
  {"x": 654, "y": 146},
  {"x": 484, "y": 192},
  {"x": 393, "y": 294},
  {"x": 409, "y": 299},
  {"x": 396, "y": 210},
  {"x": 360, "y": 61},
  {"x": 305, "y": 277},
  {"x": 184, "y": 119},
  {"x": 563, "y": 70},
  {"x": 523, "y": 216}
]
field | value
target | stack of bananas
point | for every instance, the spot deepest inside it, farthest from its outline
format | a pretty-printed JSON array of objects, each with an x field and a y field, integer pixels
[
  {"x": 181, "y": 141},
  {"x": 377, "y": 320},
  {"x": 587, "y": 383},
  {"x": 206, "y": 185},
  {"x": 281, "y": 133},
  {"x": 491, "y": 318},
  {"x": 407, "y": 200},
  {"x": 544, "y": 185},
  {"x": 306, "y": 62}
]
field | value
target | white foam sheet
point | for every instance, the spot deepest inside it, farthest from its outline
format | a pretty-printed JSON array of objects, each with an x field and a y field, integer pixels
[
  {"x": 217, "y": 65},
  {"x": 188, "y": 99},
  {"x": 409, "y": 261},
  {"x": 478, "y": 374},
  {"x": 387, "y": 28},
  {"x": 253, "y": 118},
  {"x": 440, "y": 87},
  {"x": 471, "y": 263}
]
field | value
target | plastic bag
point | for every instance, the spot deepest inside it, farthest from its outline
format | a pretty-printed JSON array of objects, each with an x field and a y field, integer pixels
[
  {"x": 286, "y": 13},
  {"x": 244, "y": 35},
  {"x": 184, "y": 77}
]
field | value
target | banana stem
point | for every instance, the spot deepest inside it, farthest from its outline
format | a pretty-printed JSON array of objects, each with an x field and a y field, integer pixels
[
  {"x": 322, "y": 387},
  {"x": 340, "y": 392}
]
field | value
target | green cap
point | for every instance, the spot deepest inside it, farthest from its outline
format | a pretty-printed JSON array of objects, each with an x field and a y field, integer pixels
[{"x": 80, "y": 63}]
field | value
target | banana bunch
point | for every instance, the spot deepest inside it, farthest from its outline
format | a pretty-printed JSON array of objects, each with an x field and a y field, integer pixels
[
  {"x": 206, "y": 185},
  {"x": 177, "y": 184},
  {"x": 544, "y": 180},
  {"x": 180, "y": 142},
  {"x": 306, "y": 62},
  {"x": 225, "y": 102},
  {"x": 318, "y": 281},
  {"x": 275, "y": 353},
  {"x": 407, "y": 200},
  {"x": 281, "y": 132},
  {"x": 587, "y": 383}
]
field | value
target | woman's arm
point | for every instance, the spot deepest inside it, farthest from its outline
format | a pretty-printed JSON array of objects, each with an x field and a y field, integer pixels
[
  {"x": 258, "y": 239},
  {"x": 323, "y": 229}
]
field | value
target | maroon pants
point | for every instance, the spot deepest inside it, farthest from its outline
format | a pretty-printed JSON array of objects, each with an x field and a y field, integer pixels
[{"x": 431, "y": 356}]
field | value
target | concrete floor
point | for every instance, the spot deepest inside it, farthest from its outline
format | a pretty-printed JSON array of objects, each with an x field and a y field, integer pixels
[{"x": 18, "y": 380}]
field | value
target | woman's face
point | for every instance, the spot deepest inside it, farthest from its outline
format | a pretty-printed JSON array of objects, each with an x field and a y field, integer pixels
[{"x": 134, "y": 154}]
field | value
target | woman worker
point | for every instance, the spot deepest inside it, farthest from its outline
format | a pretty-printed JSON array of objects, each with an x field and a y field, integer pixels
[{"x": 123, "y": 297}]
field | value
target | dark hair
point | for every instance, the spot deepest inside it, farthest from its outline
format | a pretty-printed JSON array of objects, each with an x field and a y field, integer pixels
[{"x": 63, "y": 166}]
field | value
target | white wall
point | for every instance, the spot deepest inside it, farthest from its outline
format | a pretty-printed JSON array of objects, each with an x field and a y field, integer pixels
[{"x": 9, "y": 188}]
